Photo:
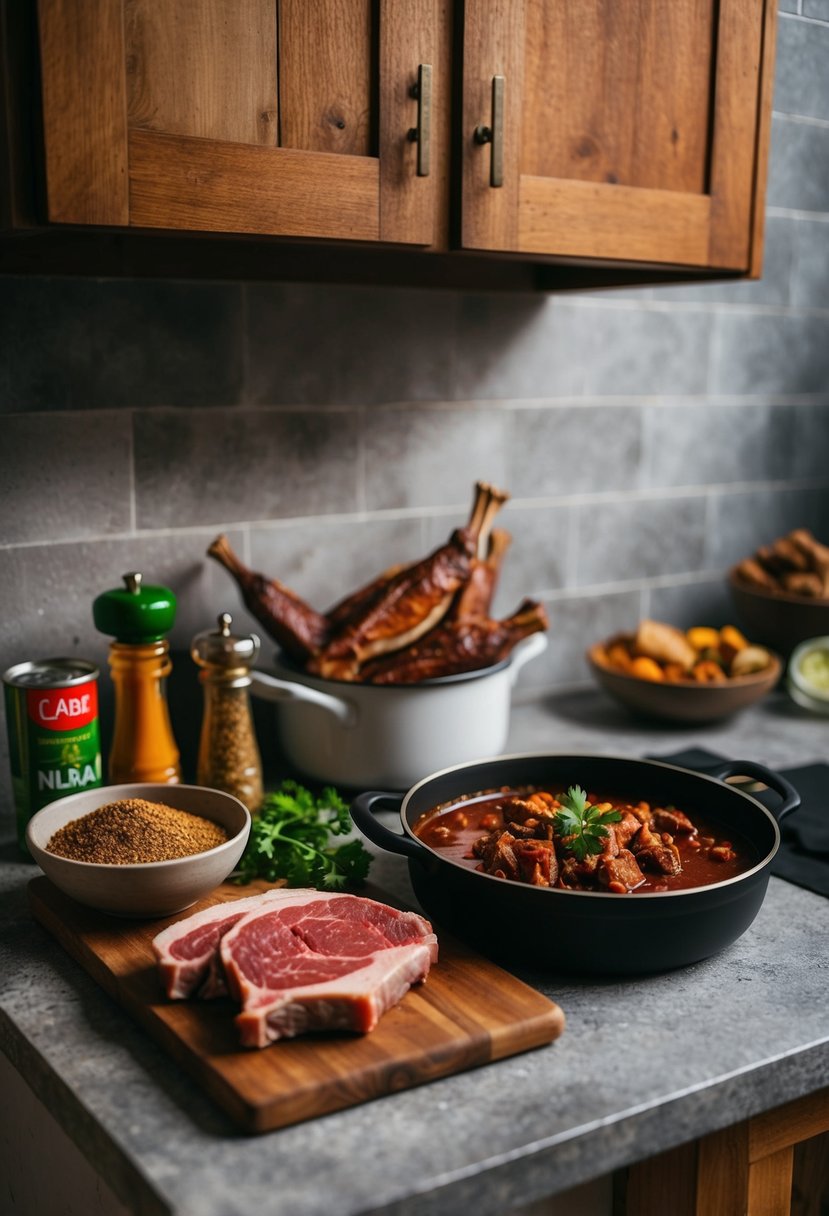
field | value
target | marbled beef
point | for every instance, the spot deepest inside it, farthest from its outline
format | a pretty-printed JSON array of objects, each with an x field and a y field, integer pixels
[
  {"x": 188, "y": 951},
  {"x": 317, "y": 961}
]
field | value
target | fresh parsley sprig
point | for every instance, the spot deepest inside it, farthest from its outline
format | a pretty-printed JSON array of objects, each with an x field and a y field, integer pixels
[
  {"x": 291, "y": 838},
  {"x": 581, "y": 824}
]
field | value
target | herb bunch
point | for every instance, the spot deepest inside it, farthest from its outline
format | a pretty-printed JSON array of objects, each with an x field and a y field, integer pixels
[
  {"x": 291, "y": 837},
  {"x": 582, "y": 824}
]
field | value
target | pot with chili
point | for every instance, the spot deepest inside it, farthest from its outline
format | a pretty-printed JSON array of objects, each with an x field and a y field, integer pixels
[{"x": 594, "y": 864}]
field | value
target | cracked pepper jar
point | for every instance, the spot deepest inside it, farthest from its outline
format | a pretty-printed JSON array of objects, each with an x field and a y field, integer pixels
[
  {"x": 229, "y": 756},
  {"x": 138, "y": 616}
]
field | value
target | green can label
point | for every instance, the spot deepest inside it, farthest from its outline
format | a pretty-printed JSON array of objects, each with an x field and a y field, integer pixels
[{"x": 54, "y": 742}]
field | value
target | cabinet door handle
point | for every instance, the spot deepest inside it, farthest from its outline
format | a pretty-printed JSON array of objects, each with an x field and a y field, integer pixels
[
  {"x": 495, "y": 134},
  {"x": 422, "y": 133}
]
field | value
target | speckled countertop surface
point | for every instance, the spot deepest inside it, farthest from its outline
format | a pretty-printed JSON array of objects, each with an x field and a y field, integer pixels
[{"x": 643, "y": 1065}]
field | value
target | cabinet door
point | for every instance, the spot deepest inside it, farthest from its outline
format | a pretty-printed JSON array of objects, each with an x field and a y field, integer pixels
[
  {"x": 256, "y": 116},
  {"x": 626, "y": 129}
]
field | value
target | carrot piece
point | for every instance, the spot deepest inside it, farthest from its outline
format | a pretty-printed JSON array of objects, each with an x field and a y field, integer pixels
[
  {"x": 731, "y": 636},
  {"x": 708, "y": 672},
  {"x": 619, "y": 656},
  {"x": 702, "y": 637},
  {"x": 646, "y": 669}
]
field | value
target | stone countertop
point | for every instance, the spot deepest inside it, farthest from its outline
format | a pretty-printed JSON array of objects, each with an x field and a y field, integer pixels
[{"x": 643, "y": 1065}]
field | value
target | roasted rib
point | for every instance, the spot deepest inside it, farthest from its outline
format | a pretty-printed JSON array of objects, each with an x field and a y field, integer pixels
[
  {"x": 475, "y": 597},
  {"x": 293, "y": 624},
  {"x": 411, "y": 602},
  {"x": 457, "y": 646}
]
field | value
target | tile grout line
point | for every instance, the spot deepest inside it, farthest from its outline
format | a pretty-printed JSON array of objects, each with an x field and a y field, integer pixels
[{"x": 653, "y": 494}]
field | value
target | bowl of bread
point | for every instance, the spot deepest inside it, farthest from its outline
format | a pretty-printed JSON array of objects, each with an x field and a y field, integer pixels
[
  {"x": 697, "y": 675},
  {"x": 781, "y": 592}
]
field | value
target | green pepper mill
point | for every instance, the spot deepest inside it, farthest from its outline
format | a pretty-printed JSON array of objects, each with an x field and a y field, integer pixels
[{"x": 138, "y": 616}]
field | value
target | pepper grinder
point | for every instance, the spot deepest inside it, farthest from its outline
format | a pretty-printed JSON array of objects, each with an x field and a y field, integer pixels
[
  {"x": 138, "y": 616},
  {"x": 229, "y": 757}
]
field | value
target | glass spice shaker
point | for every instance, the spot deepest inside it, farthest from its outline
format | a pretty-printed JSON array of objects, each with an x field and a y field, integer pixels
[
  {"x": 229, "y": 756},
  {"x": 138, "y": 616}
]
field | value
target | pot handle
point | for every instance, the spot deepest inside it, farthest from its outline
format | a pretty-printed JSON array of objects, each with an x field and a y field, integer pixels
[
  {"x": 528, "y": 649},
  {"x": 392, "y": 842},
  {"x": 272, "y": 689},
  {"x": 747, "y": 768}
]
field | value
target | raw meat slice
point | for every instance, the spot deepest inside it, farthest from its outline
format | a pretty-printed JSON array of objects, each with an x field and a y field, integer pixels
[
  {"x": 322, "y": 962},
  {"x": 188, "y": 951}
]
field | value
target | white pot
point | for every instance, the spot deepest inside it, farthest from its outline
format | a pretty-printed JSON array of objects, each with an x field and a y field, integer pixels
[{"x": 376, "y": 735}]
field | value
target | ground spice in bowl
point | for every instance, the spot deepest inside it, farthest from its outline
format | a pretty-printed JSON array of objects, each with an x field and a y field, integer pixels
[{"x": 133, "y": 831}]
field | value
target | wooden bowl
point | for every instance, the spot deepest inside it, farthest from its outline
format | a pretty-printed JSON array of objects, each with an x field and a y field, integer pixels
[
  {"x": 151, "y": 889},
  {"x": 680, "y": 701},
  {"x": 777, "y": 619}
]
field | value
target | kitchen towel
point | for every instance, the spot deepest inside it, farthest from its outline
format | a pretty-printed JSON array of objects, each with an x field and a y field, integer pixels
[{"x": 803, "y": 856}]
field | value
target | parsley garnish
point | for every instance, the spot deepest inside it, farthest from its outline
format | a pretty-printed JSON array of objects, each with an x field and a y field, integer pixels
[
  {"x": 290, "y": 838},
  {"x": 581, "y": 824}
]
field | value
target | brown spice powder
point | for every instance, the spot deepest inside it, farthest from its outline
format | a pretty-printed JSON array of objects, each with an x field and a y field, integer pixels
[{"x": 132, "y": 830}]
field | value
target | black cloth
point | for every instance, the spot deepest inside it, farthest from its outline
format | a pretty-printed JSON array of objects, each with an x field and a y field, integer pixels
[{"x": 803, "y": 856}]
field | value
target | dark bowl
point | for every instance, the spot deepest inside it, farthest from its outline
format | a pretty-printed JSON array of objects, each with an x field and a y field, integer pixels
[
  {"x": 591, "y": 932},
  {"x": 777, "y": 619},
  {"x": 685, "y": 701}
]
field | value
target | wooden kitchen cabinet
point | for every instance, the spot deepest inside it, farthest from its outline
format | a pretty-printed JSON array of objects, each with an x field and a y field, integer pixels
[
  {"x": 259, "y": 117},
  {"x": 559, "y": 144},
  {"x": 632, "y": 131}
]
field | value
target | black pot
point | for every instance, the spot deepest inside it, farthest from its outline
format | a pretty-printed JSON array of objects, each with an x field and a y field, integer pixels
[{"x": 585, "y": 931}]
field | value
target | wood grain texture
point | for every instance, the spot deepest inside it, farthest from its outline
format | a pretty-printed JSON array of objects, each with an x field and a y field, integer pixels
[
  {"x": 770, "y": 1185},
  {"x": 636, "y": 128},
  {"x": 663, "y": 1184},
  {"x": 722, "y": 1172},
  {"x": 204, "y": 185},
  {"x": 326, "y": 82},
  {"x": 789, "y": 1124},
  {"x": 761, "y": 166},
  {"x": 493, "y": 45},
  {"x": 84, "y": 111},
  {"x": 441, "y": 1027},
  {"x": 409, "y": 36},
  {"x": 618, "y": 92},
  {"x": 592, "y": 219},
  {"x": 739, "y": 49},
  {"x": 206, "y": 69}
]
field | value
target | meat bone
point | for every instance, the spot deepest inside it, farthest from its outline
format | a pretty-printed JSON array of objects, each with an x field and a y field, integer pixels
[{"x": 389, "y": 613}]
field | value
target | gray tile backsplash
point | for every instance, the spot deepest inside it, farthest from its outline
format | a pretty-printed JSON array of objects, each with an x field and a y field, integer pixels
[
  {"x": 648, "y": 438},
  {"x": 799, "y": 164},
  {"x": 802, "y": 55},
  {"x": 243, "y": 464},
  {"x": 713, "y": 444},
  {"x": 92, "y": 496},
  {"x": 89, "y": 343},
  {"x": 759, "y": 353},
  {"x": 441, "y": 451},
  {"x": 632, "y": 539}
]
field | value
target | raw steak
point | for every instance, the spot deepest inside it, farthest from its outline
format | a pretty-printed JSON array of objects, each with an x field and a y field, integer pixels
[
  {"x": 188, "y": 951},
  {"x": 322, "y": 962}
]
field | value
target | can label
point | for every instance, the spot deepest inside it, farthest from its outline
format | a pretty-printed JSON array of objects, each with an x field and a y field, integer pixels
[{"x": 54, "y": 742}]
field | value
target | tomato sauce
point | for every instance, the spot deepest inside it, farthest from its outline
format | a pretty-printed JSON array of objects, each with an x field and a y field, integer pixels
[{"x": 452, "y": 829}]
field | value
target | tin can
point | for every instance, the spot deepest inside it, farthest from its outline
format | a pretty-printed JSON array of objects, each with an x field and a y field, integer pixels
[{"x": 54, "y": 742}]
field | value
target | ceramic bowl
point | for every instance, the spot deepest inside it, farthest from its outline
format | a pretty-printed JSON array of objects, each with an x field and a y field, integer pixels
[
  {"x": 777, "y": 619},
  {"x": 157, "y": 888},
  {"x": 806, "y": 675},
  {"x": 681, "y": 702}
]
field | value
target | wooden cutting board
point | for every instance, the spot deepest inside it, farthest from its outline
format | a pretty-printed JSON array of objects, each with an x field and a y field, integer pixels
[{"x": 469, "y": 1012}]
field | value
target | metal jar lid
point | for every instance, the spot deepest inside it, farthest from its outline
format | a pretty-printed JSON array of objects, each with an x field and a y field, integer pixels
[
  {"x": 221, "y": 648},
  {"x": 137, "y": 612}
]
